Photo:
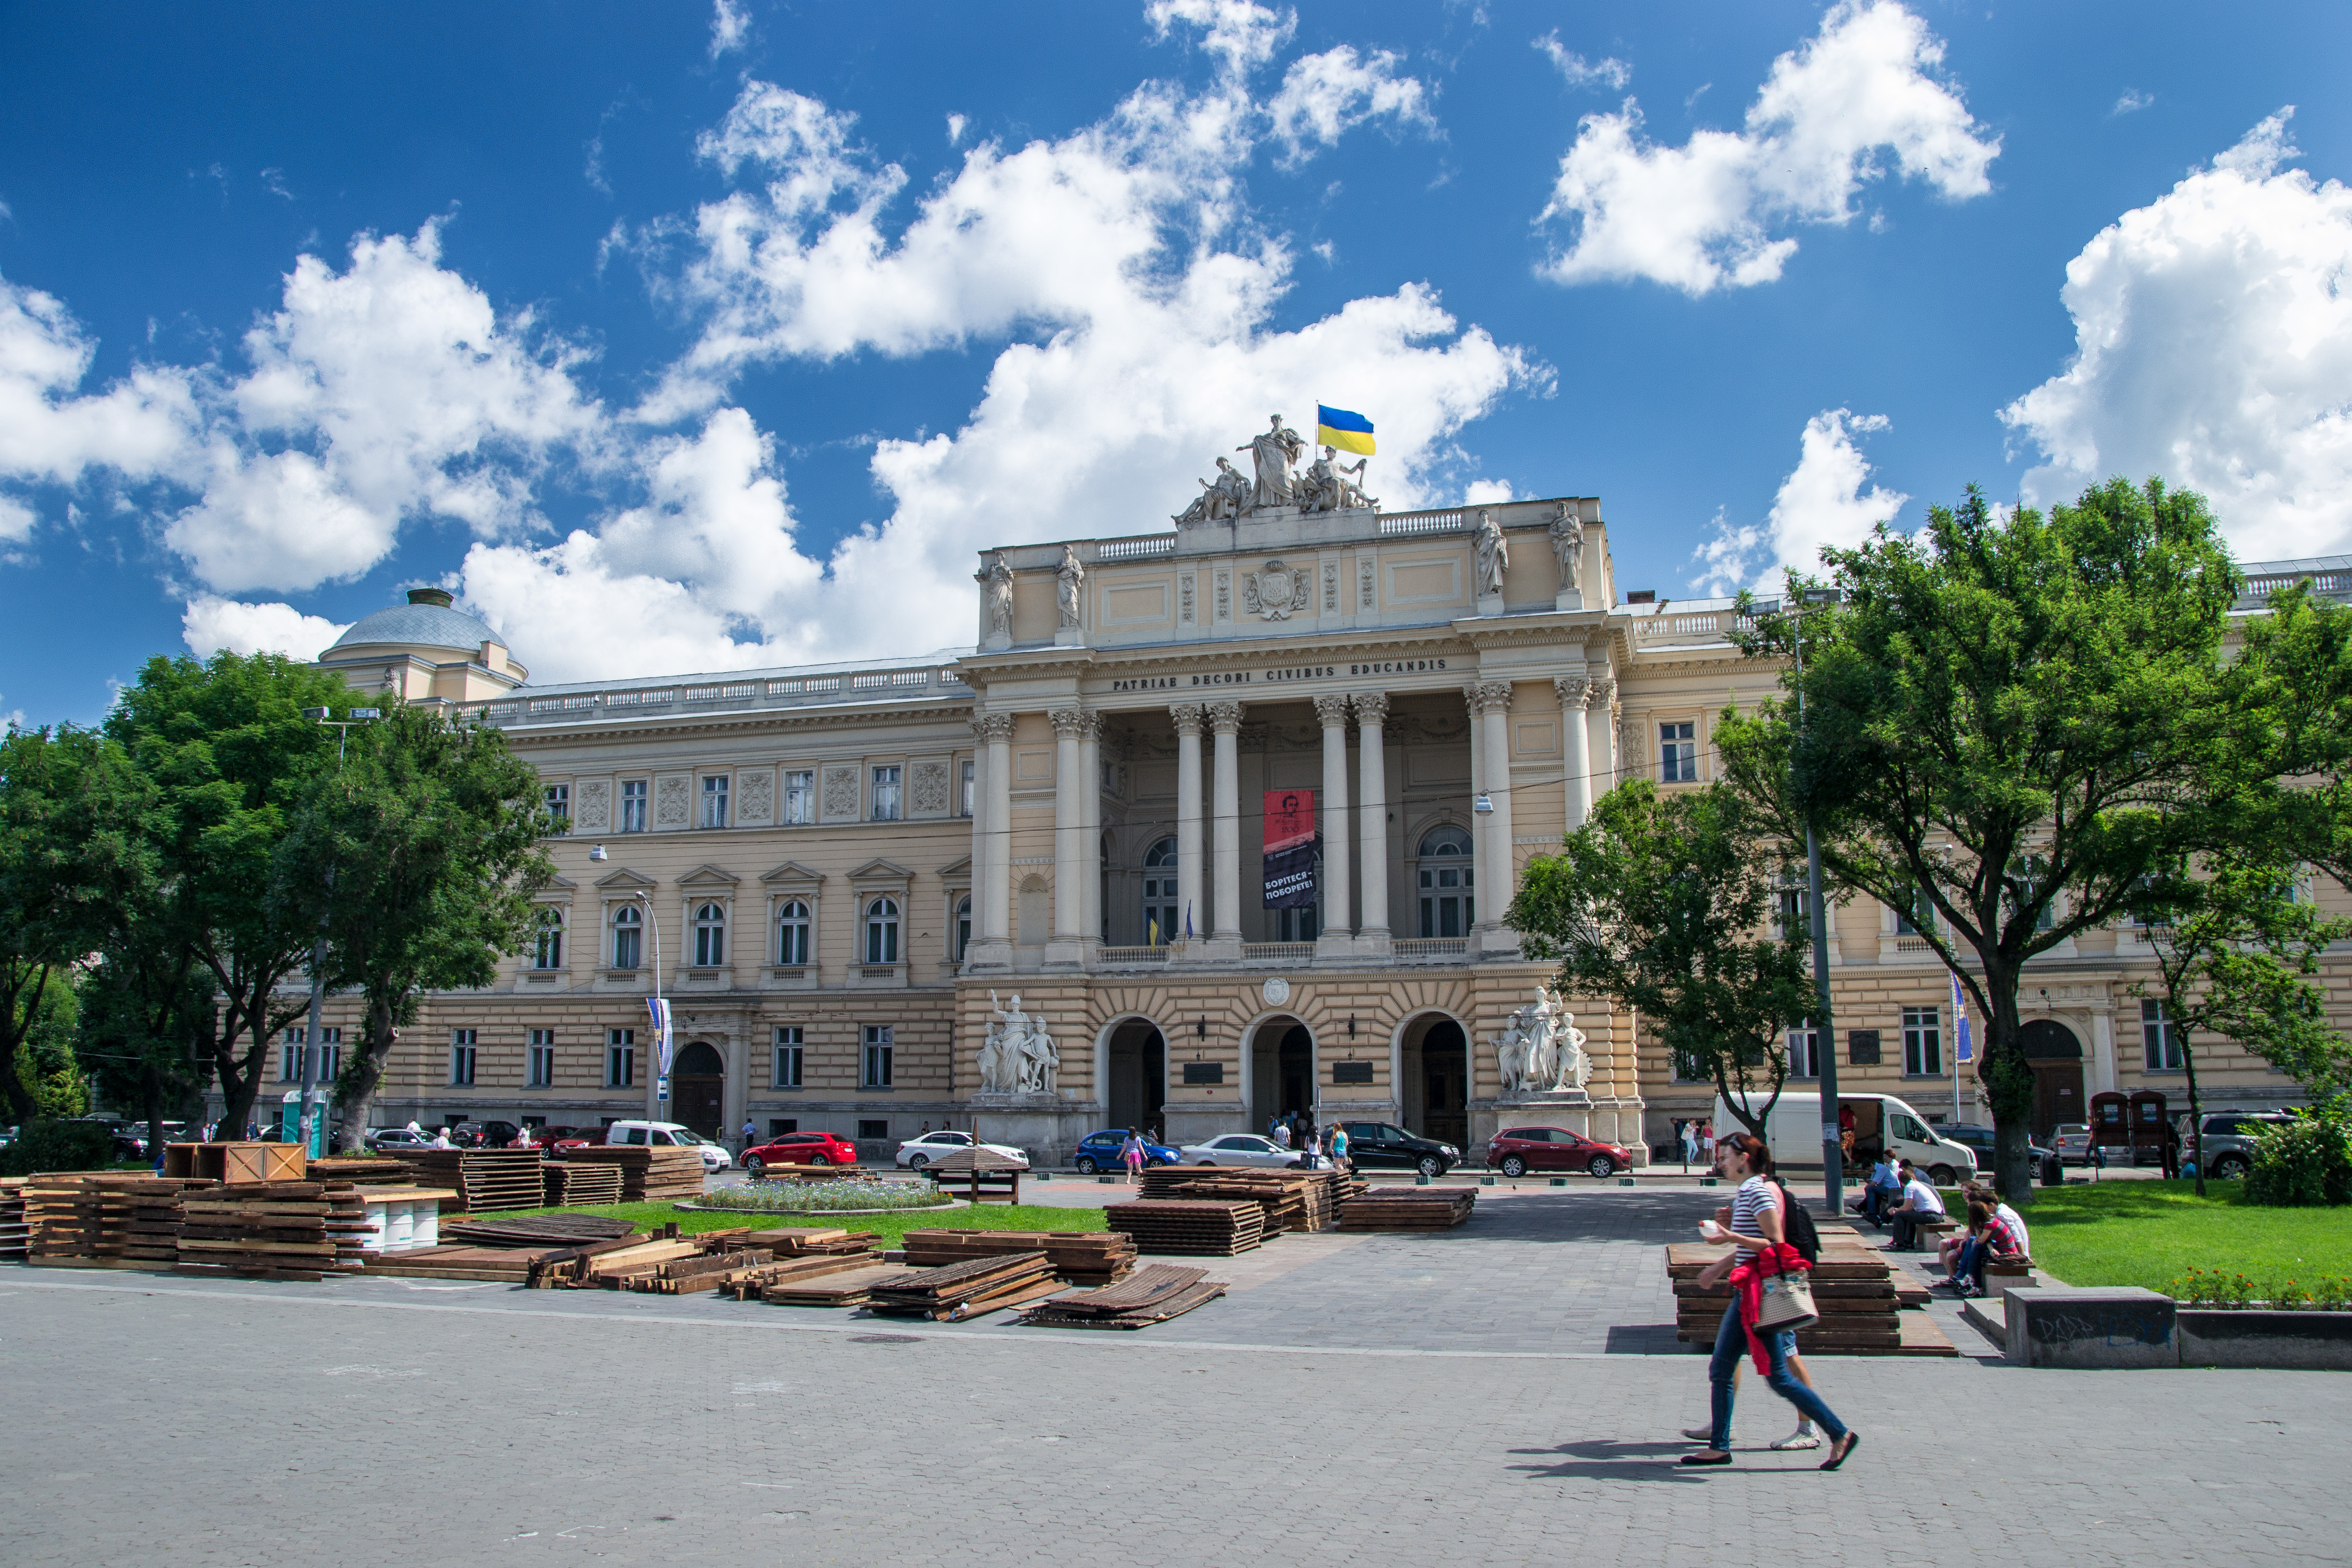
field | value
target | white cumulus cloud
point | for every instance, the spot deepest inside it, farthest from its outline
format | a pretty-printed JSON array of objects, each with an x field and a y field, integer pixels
[
  {"x": 1580, "y": 72},
  {"x": 730, "y": 25},
  {"x": 211, "y": 624},
  {"x": 1324, "y": 96},
  {"x": 1709, "y": 214},
  {"x": 51, "y": 431},
  {"x": 1242, "y": 34},
  {"x": 2214, "y": 348},
  {"x": 1822, "y": 503}
]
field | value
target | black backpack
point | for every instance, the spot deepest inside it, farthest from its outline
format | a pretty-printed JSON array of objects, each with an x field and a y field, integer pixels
[{"x": 1797, "y": 1225}]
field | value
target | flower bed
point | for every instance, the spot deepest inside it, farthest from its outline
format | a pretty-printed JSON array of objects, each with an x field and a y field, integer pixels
[{"x": 825, "y": 1198}]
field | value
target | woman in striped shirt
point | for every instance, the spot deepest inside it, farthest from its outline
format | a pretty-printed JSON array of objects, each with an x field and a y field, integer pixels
[{"x": 1756, "y": 1225}]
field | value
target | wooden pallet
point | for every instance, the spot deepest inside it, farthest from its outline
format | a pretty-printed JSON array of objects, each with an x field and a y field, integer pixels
[
  {"x": 966, "y": 1289},
  {"x": 1082, "y": 1257},
  {"x": 1408, "y": 1208},
  {"x": 1195, "y": 1227},
  {"x": 360, "y": 1170},
  {"x": 843, "y": 1288},
  {"x": 580, "y": 1184},
  {"x": 486, "y": 1180},
  {"x": 278, "y": 1230},
  {"x": 1068, "y": 1311},
  {"x": 536, "y": 1230},
  {"x": 1293, "y": 1200},
  {"x": 648, "y": 1175}
]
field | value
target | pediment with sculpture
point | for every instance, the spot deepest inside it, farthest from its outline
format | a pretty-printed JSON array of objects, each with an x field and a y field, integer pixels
[{"x": 1275, "y": 483}]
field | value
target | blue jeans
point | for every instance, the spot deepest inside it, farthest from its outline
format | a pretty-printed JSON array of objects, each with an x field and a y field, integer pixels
[{"x": 1730, "y": 1345}]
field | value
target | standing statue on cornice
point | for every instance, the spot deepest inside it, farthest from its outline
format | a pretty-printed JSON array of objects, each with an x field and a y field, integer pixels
[
  {"x": 1072, "y": 578},
  {"x": 1493, "y": 555},
  {"x": 996, "y": 592},
  {"x": 1568, "y": 546},
  {"x": 1275, "y": 450}
]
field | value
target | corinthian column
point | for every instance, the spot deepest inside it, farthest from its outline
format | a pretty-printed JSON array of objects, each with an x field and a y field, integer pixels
[
  {"x": 1090, "y": 914},
  {"x": 995, "y": 869},
  {"x": 1372, "y": 810},
  {"x": 1575, "y": 690},
  {"x": 1187, "y": 718},
  {"x": 1494, "y": 888},
  {"x": 1336, "y": 905},
  {"x": 1225, "y": 724},
  {"x": 1069, "y": 818},
  {"x": 1600, "y": 733}
]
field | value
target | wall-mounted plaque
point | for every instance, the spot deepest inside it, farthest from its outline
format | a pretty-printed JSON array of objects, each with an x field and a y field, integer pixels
[
  {"x": 1204, "y": 1072},
  {"x": 1351, "y": 1072},
  {"x": 1861, "y": 1047}
]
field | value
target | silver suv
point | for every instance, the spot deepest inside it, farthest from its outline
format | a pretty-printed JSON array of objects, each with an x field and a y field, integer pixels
[{"x": 2229, "y": 1140}]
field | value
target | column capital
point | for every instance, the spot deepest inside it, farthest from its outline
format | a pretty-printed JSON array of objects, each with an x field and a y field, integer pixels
[
  {"x": 1187, "y": 716},
  {"x": 1604, "y": 691},
  {"x": 1488, "y": 697},
  {"x": 1575, "y": 690},
  {"x": 1372, "y": 709},
  {"x": 1090, "y": 725},
  {"x": 1068, "y": 722},
  {"x": 1333, "y": 710},
  {"x": 993, "y": 727},
  {"x": 1224, "y": 718}
]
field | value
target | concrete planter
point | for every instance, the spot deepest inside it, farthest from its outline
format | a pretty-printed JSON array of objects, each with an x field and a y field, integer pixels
[{"x": 2259, "y": 1337}]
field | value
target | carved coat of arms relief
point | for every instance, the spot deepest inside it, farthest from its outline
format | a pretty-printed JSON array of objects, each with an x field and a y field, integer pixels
[{"x": 1274, "y": 592}]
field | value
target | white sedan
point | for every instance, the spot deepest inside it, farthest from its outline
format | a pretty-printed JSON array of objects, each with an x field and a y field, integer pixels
[
  {"x": 916, "y": 1152},
  {"x": 1242, "y": 1149}
]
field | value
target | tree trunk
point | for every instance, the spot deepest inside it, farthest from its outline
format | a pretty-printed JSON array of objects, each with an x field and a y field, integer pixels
[
  {"x": 15, "y": 1024},
  {"x": 240, "y": 1079},
  {"x": 152, "y": 1082},
  {"x": 2196, "y": 1119},
  {"x": 2008, "y": 1081},
  {"x": 366, "y": 1073}
]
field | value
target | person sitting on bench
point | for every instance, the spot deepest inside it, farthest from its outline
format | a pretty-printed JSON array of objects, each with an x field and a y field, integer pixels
[
  {"x": 1880, "y": 1191},
  {"x": 1989, "y": 1236},
  {"x": 1920, "y": 1205}
]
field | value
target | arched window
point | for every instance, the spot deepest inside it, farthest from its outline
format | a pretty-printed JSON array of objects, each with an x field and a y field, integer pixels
[
  {"x": 1447, "y": 896},
  {"x": 792, "y": 934},
  {"x": 962, "y": 929},
  {"x": 882, "y": 932},
  {"x": 628, "y": 937},
  {"x": 1161, "y": 917},
  {"x": 547, "y": 952},
  {"x": 710, "y": 935}
]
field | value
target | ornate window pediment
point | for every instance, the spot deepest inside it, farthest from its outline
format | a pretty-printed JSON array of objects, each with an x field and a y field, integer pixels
[
  {"x": 624, "y": 877},
  {"x": 708, "y": 875}
]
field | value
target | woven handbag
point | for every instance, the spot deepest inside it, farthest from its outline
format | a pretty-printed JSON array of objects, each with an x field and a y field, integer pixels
[{"x": 1788, "y": 1304}]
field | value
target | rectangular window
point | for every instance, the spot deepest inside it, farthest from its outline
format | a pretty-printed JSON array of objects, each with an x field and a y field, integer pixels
[
  {"x": 331, "y": 1055},
  {"x": 780, "y": 1125},
  {"x": 547, "y": 948},
  {"x": 1913, "y": 913},
  {"x": 1678, "y": 753},
  {"x": 538, "y": 1068},
  {"x": 787, "y": 1073},
  {"x": 2159, "y": 1038},
  {"x": 1796, "y": 904},
  {"x": 967, "y": 797},
  {"x": 633, "y": 805},
  {"x": 886, "y": 794},
  {"x": 1923, "y": 1042},
  {"x": 289, "y": 1054},
  {"x": 619, "y": 1058},
  {"x": 800, "y": 799},
  {"x": 558, "y": 806},
  {"x": 876, "y": 1070},
  {"x": 714, "y": 801},
  {"x": 461, "y": 1057},
  {"x": 1804, "y": 1051},
  {"x": 873, "y": 1130}
]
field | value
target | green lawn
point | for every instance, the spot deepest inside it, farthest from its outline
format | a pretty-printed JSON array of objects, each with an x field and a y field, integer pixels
[
  {"x": 888, "y": 1229},
  {"x": 2152, "y": 1233}
]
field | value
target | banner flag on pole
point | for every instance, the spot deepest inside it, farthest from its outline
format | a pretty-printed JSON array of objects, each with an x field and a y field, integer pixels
[
  {"x": 1290, "y": 848},
  {"x": 659, "y": 1007},
  {"x": 1342, "y": 430},
  {"x": 1967, "y": 1051}
]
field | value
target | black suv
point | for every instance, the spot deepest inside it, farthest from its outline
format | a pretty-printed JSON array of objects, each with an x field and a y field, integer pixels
[
  {"x": 1979, "y": 1141},
  {"x": 1378, "y": 1145}
]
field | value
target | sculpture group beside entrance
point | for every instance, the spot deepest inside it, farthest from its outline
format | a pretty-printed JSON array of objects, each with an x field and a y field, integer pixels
[
  {"x": 1018, "y": 1056},
  {"x": 1273, "y": 486},
  {"x": 1540, "y": 1050}
]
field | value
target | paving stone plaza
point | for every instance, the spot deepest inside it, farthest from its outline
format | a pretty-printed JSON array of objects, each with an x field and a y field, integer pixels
[{"x": 1506, "y": 1393}]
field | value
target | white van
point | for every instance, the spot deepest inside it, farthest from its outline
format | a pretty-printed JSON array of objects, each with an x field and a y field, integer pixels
[{"x": 1880, "y": 1121}]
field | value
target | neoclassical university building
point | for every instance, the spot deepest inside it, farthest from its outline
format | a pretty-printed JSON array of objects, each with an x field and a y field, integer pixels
[{"x": 1021, "y": 886}]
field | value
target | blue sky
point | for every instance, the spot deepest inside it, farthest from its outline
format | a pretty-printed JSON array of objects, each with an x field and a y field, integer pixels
[{"x": 682, "y": 338}]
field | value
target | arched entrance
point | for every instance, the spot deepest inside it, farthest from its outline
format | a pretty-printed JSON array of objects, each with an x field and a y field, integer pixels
[
  {"x": 697, "y": 1088},
  {"x": 1281, "y": 1070},
  {"x": 1434, "y": 1079},
  {"x": 1137, "y": 1075},
  {"x": 2056, "y": 1057}
]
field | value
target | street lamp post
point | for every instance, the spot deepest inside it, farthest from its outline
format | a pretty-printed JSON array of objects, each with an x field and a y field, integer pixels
[
  {"x": 307, "y": 1118},
  {"x": 659, "y": 1009},
  {"x": 1824, "y": 1031}
]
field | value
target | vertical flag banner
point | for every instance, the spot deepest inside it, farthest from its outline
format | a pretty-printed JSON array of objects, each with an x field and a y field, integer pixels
[
  {"x": 1967, "y": 1051},
  {"x": 1289, "y": 848},
  {"x": 659, "y": 1007},
  {"x": 1339, "y": 427}
]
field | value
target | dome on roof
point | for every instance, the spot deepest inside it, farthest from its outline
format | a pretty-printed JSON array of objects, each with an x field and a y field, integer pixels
[{"x": 427, "y": 620}]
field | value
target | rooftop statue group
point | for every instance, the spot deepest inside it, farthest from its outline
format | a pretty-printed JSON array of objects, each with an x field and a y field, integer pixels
[
  {"x": 1540, "y": 1049},
  {"x": 1326, "y": 486},
  {"x": 1018, "y": 1056}
]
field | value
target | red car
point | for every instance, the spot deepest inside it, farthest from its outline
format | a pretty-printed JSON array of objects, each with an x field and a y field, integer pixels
[
  {"x": 1516, "y": 1151},
  {"x": 799, "y": 1149}
]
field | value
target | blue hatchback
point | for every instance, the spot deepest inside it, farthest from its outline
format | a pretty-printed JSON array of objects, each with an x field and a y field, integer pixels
[{"x": 1100, "y": 1151}]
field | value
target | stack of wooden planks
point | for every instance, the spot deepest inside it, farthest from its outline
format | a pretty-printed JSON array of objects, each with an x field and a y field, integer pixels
[
  {"x": 1079, "y": 1256},
  {"x": 966, "y": 1289},
  {"x": 1293, "y": 1200},
  {"x": 1197, "y": 1227},
  {"x": 1156, "y": 1293},
  {"x": 648, "y": 1175},
  {"x": 783, "y": 1280},
  {"x": 1854, "y": 1290},
  {"x": 489, "y": 1265},
  {"x": 157, "y": 1214},
  {"x": 580, "y": 1184},
  {"x": 12, "y": 1217},
  {"x": 64, "y": 1218},
  {"x": 849, "y": 1286},
  {"x": 361, "y": 1170},
  {"x": 273, "y": 1230},
  {"x": 813, "y": 1240},
  {"x": 535, "y": 1230},
  {"x": 483, "y": 1179},
  {"x": 1408, "y": 1208}
]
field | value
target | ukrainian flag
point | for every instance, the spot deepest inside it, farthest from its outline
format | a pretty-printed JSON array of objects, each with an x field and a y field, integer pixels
[{"x": 1337, "y": 428}]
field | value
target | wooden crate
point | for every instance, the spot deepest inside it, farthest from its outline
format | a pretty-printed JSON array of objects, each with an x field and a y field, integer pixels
[{"x": 230, "y": 1162}]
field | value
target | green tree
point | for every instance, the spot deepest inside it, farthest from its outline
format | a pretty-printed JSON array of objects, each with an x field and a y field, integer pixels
[
  {"x": 2008, "y": 721},
  {"x": 417, "y": 858},
  {"x": 1666, "y": 904},
  {"x": 227, "y": 747},
  {"x": 46, "y": 1062},
  {"x": 73, "y": 850},
  {"x": 147, "y": 1014}
]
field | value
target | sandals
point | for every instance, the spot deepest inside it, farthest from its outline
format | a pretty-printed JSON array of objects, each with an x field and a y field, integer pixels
[{"x": 1838, "y": 1452}]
